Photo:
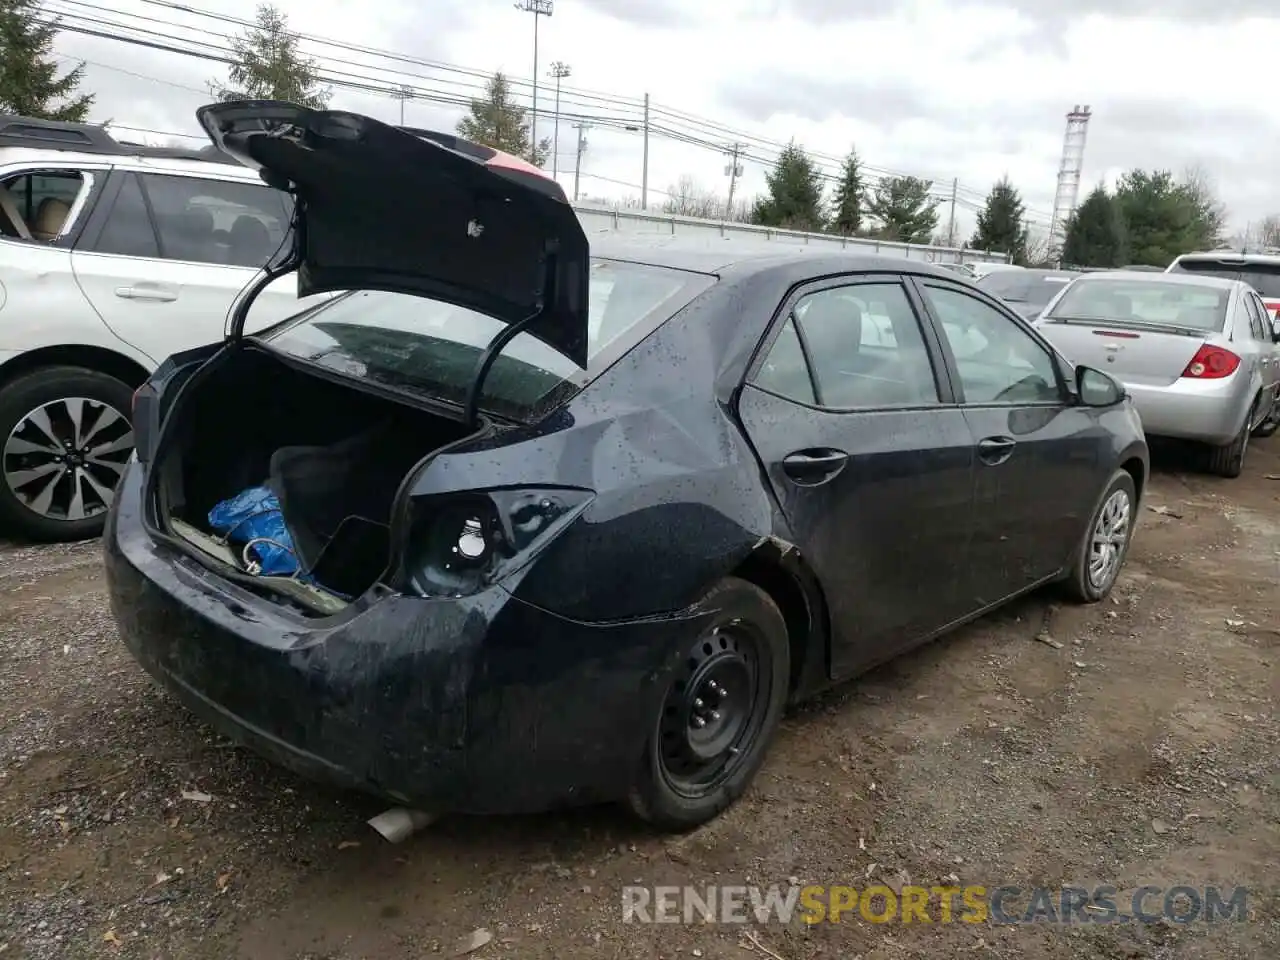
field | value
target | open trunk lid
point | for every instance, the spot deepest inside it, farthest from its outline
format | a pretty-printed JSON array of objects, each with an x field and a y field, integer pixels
[{"x": 383, "y": 208}]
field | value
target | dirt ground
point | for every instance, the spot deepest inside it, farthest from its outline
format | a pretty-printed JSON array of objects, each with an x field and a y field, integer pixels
[{"x": 1143, "y": 749}]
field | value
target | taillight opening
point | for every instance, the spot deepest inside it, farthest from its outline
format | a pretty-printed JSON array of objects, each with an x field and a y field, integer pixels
[{"x": 1211, "y": 363}]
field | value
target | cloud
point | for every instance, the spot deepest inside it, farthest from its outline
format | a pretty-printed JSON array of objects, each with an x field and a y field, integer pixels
[{"x": 961, "y": 91}]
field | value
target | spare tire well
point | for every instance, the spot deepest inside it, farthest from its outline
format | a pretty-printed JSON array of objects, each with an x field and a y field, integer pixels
[
  {"x": 804, "y": 616},
  {"x": 98, "y": 359}
]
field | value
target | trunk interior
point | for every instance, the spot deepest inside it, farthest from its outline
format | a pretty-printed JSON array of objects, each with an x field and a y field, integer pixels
[{"x": 332, "y": 456}]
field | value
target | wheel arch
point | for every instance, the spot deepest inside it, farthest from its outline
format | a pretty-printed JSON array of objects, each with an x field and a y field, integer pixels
[
  {"x": 1137, "y": 469},
  {"x": 99, "y": 359},
  {"x": 778, "y": 568}
]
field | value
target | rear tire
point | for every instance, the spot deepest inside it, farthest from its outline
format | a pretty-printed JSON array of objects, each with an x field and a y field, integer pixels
[
  {"x": 1269, "y": 426},
  {"x": 50, "y": 492},
  {"x": 1104, "y": 546},
  {"x": 1228, "y": 460},
  {"x": 719, "y": 713}
]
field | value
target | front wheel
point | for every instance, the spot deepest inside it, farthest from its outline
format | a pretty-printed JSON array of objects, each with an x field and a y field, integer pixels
[
  {"x": 65, "y": 438},
  {"x": 1106, "y": 542},
  {"x": 721, "y": 710}
]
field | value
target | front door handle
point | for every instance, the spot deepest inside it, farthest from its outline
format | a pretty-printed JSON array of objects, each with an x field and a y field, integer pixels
[
  {"x": 996, "y": 450},
  {"x": 145, "y": 291},
  {"x": 808, "y": 468}
]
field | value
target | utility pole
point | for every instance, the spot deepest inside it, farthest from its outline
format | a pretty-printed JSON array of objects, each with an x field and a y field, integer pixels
[
  {"x": 405, "y": 94},
  {"x": 558, "y": 72},
  {"x": 539, "y": 8},
  {"x": 951, "y": 222},
  {"x": 577, "y": 163},
  {"x": 733, "y": 170},
  {"x": 644, "y": 170}
]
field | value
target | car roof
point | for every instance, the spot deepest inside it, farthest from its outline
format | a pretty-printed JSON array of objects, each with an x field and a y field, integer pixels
[
  {"x": 1034, "y": 272},
  {"x": 1229, "y": 256},
  {"x": 715, "y": 255},
  {"x": 1142, "y": 276}
]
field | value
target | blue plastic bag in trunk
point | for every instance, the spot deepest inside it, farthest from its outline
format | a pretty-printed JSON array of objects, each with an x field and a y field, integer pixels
[{"x": 253, "y": 516}]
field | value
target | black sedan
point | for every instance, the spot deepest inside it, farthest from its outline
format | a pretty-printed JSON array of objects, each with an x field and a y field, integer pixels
[
  {"x": 517, "y": 523},
  {"x": 1027, "y": 291}
]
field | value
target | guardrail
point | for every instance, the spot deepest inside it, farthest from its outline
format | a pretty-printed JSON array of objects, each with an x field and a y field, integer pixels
[{"x": 598, "y": 219}]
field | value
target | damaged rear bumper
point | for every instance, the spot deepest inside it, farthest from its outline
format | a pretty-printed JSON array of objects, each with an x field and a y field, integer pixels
[{"x": 482, "y": 704}]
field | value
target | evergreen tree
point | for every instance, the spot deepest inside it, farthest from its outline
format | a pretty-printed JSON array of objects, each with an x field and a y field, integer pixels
[
  {"x": 29, "y": 81},
  {"x": 1096, "y": 235},
  {"x": 1000, "y": 223},
  {"x": 1165, "y": 218},
  {"x": 497, "y": 121},
  {"x": 270, "y": 66},
  {"x": 794, "y": 200},
  {"x": 904, "y": 210},
  {"x": 850, "y": 196}
]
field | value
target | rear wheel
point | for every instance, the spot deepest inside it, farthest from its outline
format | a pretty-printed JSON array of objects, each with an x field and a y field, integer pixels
[
  {"x": 1269, "y": 426},
  {"x": 65, "y": 437},
  {"x": 1106, "y": 542},
  {"x": 1228, "y": 460},
  {"x": 719, "y": 714}
]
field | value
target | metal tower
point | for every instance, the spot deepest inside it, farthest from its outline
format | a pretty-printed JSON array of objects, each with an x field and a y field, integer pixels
[{"x": 1064, "y": 201}]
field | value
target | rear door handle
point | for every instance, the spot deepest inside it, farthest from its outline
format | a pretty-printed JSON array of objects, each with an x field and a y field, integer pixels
[
  {"x": 996, "y": 450},
  {"x": 148, "y": 291},
  {"x": 808, "y": 468}
]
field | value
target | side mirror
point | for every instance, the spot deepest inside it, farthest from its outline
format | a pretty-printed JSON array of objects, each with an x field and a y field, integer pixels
[
  {"x": 1097, "y": 389},
  {"x": 1275, "y": 331}
]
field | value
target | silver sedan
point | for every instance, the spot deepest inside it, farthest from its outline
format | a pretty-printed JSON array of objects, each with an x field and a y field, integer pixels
[{"x": 1197, "y": 354}]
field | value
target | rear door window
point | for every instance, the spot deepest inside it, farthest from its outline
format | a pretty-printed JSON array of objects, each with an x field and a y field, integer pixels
[
  {"x": 866, "y": 347},
  {"x": 128, "y": 231},
  {"x": 217, "y": 221}
]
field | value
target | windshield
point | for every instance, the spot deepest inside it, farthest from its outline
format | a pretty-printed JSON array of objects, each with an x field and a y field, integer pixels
[
  {"x": 428, "y": 347},
  {"x": 1144, "y": 301},
  {"x": 1023, "y": 286},
  {"x": 1262, "y": 276}
]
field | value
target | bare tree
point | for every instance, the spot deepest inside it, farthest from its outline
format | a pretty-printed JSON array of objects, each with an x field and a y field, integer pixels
[
  {"x": 688, "y": 198},
  {"x": 1269, "y": 230},
  {"x": 1210, "y": 211},
  {"x": 1039, "y": 250}
]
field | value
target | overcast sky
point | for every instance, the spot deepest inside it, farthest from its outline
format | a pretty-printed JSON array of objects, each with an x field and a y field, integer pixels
[{"x": 966, "y": 90}]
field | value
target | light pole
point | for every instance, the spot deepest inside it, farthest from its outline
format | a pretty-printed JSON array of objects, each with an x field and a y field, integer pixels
[
  {"x": 558, "y": 71},
  {"x": 539, "y": 8}
]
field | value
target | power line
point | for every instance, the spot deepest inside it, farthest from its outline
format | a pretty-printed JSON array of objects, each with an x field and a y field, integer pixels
[{"x": 675, "y": 124}]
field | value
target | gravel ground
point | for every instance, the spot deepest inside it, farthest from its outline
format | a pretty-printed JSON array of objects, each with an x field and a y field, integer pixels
[{"x": 1143, "y": 748}]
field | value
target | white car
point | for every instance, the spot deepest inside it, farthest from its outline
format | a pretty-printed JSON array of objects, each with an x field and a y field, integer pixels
[{"x": 112, "y": 257}]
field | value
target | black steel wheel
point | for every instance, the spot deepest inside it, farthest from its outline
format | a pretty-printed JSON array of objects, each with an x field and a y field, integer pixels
[{"x": 721, "y": 708}]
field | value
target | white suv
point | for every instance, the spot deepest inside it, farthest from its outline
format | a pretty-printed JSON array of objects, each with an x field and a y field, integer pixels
[{"x": 112, "y": 257}]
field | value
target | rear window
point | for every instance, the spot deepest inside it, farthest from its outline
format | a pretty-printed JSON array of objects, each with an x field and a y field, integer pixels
[
  {"x": 1263, "y": 277},
  {"x": 428, "y": 347},
  {"x": 1154, "y": 301},
  {"x": 1016, "y": 286}
]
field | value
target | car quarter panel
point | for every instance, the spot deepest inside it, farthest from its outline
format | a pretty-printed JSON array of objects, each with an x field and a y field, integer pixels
[{"x": 678, "y": 495}]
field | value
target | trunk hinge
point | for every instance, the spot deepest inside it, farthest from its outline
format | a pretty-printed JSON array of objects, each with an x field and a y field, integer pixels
[
  {"x": 486, "y": 361},
  {"x": 471, "y": 412},
  {"x": 269, "y": 274}
]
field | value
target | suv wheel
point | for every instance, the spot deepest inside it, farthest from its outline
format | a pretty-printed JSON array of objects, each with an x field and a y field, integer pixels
[{"x": 65, "y": 437}]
